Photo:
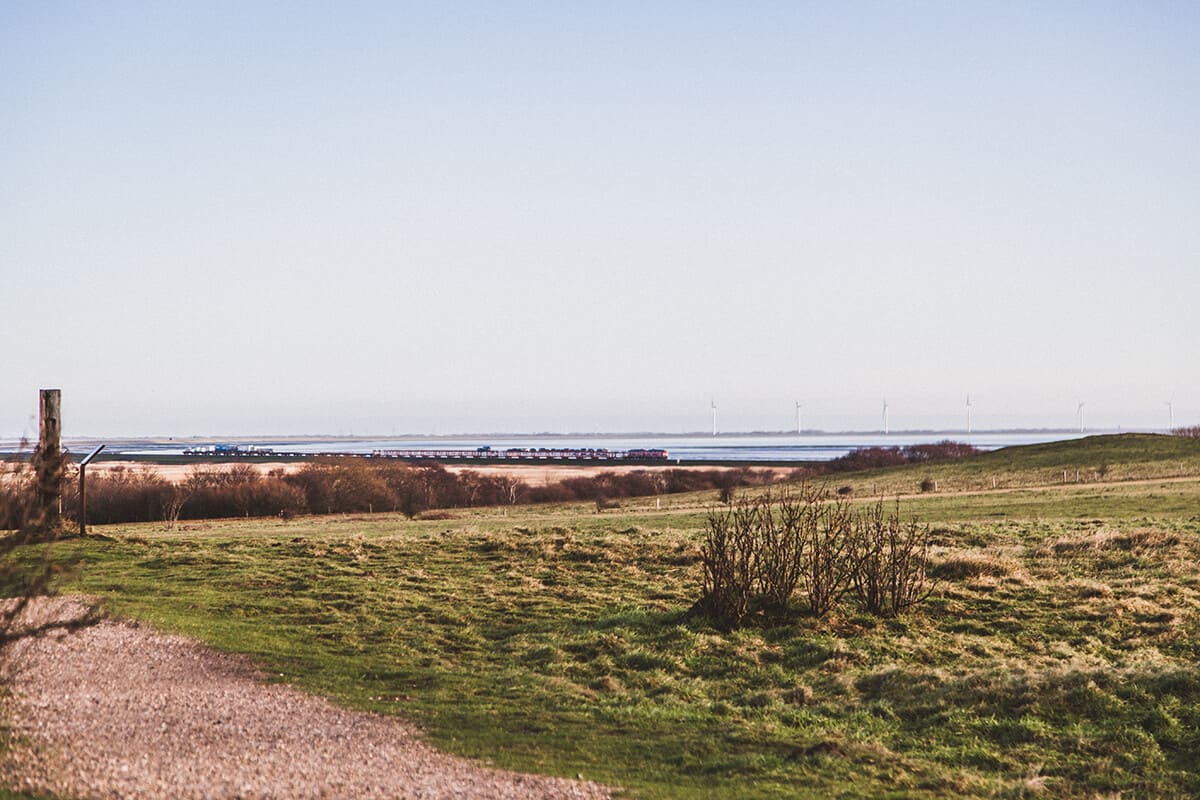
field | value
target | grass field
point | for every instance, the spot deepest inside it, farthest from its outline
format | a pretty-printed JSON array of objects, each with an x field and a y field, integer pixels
[{"x": 1057, "y": 655}]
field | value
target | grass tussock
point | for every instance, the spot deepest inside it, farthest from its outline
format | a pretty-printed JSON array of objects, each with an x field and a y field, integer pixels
[
  {"x": 1139, "y": 540},
  {"x": 969, "y": 564}
]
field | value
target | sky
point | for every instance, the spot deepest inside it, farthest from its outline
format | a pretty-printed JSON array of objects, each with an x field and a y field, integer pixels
[{"x": 378, "y": 218}]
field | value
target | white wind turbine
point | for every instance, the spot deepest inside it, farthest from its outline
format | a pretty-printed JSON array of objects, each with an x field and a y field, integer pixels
[
  {"x": 1080, "y": 411},
  {"x": 713, "y": 403},
  {"x": 968, "y": 413},
  {"x": 1170, "y": 415},
  {"x": 799, "y": 427},
  {"x": 885, "y": 417}
]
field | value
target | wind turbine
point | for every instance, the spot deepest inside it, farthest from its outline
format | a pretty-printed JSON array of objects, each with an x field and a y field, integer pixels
[
  {"x": 1171, "y": 415},
  {"x": 799, "y": 427},
  {"x": 885, "y": 417},
  {"x": 713, "y": 403},
  {"x": 1080, "y": 410},
  {"x": 968, "y": 413}
]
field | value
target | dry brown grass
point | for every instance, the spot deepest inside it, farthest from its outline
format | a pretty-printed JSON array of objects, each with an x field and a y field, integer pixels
[
  {"x": 1102, "y": 539},
  {"x": 962, "y": 565}
]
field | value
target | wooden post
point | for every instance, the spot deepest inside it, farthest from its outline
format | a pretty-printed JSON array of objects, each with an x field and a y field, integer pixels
[{"x": 48, "y": 459}]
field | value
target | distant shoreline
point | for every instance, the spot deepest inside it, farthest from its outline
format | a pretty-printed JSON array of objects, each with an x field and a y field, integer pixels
[{"x": 13, "y": 442}]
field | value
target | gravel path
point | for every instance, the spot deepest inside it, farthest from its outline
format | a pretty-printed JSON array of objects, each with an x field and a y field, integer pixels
[{"x": 120, "y": 711}]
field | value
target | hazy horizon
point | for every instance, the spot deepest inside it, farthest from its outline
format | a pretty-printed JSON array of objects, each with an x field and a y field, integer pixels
[
  {"x": 449, "y": 427},
  {"x": 225, "y": 218}
]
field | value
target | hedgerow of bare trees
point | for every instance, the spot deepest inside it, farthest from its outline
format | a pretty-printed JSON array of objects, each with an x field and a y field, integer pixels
[
  {"x": 758, "y": 553},
  {"x": 351, "y": 486}
]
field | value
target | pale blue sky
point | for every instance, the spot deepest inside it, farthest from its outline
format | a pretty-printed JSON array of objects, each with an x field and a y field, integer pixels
[{"x": 383, "y": 217}]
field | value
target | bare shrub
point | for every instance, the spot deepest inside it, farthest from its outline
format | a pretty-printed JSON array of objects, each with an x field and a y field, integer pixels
[
  {"x": 758, "y": 553},
  {"x": 368, "y": 485},
  {"x": 781, "y": 539},
  {"x": 889, "y": 559},
  {"x": 240, "y": 490},
  {"x": 16, "y": 495},
  {"x": 878, "y": 457},
  {"x": 362, "y": 485},
  {"x": 174, "y": 504},
  {"x": 826, "y": 560},
  {"x": 127, "y": 495},
  {"x": 867, "y": 458},
  {"x": 604, "y": 504},
  {"x": 730, "y": 561},
  {"x": 347, "y": 487},
  {"x": 945, "y": 450}
]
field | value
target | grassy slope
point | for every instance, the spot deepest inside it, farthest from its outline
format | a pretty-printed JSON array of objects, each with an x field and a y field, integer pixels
[
  {"x": 1114, "y": 458},
  {"x": 1058, "y": 652},
  {"x": 1122, "y": 458}
]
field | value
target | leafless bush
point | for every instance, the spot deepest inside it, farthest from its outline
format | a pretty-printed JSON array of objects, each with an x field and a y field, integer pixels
[
  {"x": 173, "y": 504},
  {"x": 827, "y": 554},
  {"x": 782, "y": 534},
  {"x": 1190, "y": 432},
  {"x": 878, "y": 457},
  {"x": 16, "y": 495},
  {"x": 759, "y": 552},
  {"x": 125, "y": 495},
  {"x": 604, "y": 504},
  {"x": 730, "y": 560},
  {"x": 889, "y": 559},
  {"x": 335, "y": 486}
]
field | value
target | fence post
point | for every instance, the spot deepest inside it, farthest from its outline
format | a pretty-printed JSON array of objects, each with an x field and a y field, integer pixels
[{"x": 48, "y": 458}]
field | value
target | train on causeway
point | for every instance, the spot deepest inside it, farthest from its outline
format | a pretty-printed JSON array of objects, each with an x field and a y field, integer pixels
[{"x": 485, "y": 453}]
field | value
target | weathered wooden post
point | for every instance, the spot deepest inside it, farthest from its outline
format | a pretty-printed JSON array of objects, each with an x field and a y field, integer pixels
[{"x": 48, "y": 459}]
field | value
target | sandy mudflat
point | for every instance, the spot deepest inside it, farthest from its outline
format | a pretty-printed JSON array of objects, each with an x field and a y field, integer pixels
[{"x": 120, "y": 711}]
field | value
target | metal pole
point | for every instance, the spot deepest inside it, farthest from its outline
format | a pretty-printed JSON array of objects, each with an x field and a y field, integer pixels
[
  {"x": 83, "y": 490},
  {"x": 82, "y": 500}
]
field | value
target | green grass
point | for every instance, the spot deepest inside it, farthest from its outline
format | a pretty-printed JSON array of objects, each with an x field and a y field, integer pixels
[
  {"x": 1108, "y": 459},
  {"x": 1058, "y": 653},
  {"x": 1113, "y": 460}
]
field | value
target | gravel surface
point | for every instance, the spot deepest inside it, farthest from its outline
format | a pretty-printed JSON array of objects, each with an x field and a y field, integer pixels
[{"x": 121, "y": 711}]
